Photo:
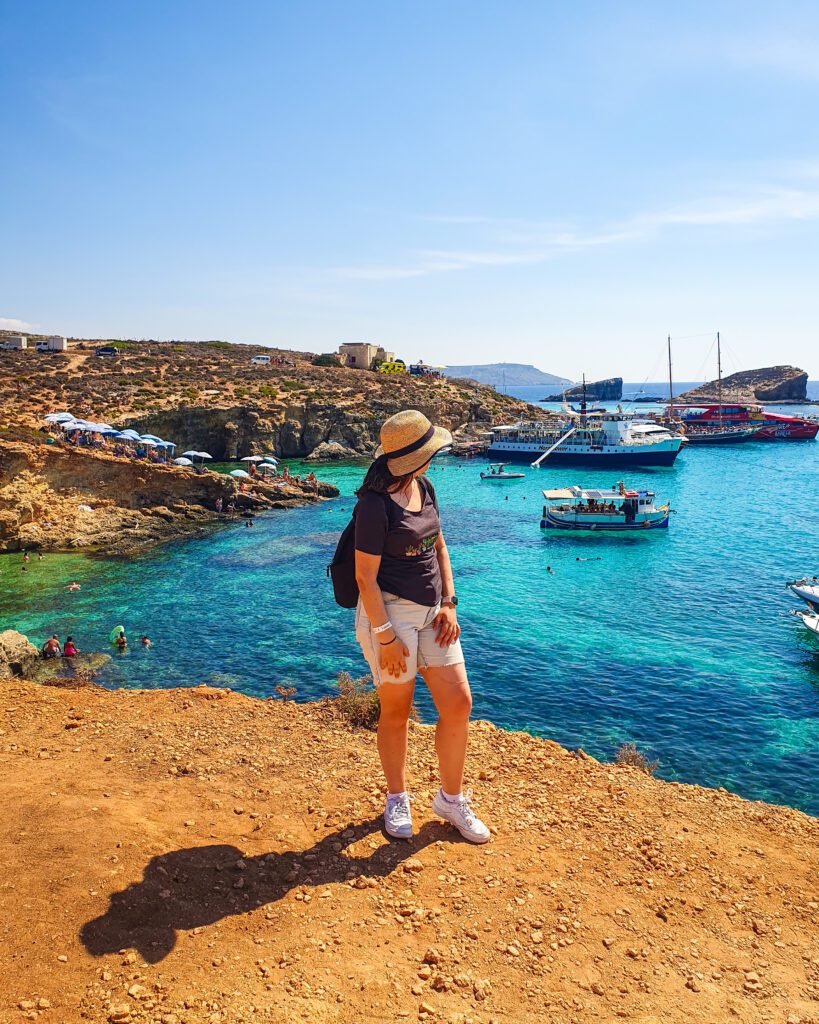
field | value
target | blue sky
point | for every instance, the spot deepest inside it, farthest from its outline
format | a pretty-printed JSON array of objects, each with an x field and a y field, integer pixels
[{"x": 561, "y": 184}]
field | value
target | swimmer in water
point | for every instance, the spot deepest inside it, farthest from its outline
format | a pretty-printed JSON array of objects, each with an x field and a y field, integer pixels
[
  {"x": 73, "y": 586},
  {"x": 145, "y": 641},
  {"x": 122, "y": 640},
  {"x": 550, "y": 570}
]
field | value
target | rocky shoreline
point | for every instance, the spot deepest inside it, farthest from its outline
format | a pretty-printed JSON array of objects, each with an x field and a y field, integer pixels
[
  {"x": 58, "y": 498},
  {"x": 195, "y": 856}
]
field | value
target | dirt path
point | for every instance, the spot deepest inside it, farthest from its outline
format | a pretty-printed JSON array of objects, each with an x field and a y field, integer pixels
[{"x": 194, "y": 856}]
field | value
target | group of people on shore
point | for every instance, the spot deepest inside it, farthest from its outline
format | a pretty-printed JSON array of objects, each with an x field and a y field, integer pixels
[{"x": 52, "y": 648}]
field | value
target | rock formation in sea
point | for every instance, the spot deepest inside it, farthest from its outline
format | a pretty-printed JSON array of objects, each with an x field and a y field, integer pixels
[
  {"x": 768, "y": 384},
  {"x": 608, "y": 390},
  {"x": 18, "y": 657}
]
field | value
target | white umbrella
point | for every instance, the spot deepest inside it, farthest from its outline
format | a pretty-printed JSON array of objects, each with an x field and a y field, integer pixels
[
  {"x": 240, "y": 474},
  {"x": 269, "y": 460},
  {"x": 190, "y": 455},
  {"x": 267, "y": 467},
  {"x": 147, "y": 444},
  {"x": 204, "y": 455},
  {"x": 59, "y": 417},
  {"x": 182, "y": 462},
  {"x": 252, "y": 458}
]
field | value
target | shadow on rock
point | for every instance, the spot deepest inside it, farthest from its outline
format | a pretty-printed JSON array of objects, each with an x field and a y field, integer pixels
[{"x": 189, "y": 888}]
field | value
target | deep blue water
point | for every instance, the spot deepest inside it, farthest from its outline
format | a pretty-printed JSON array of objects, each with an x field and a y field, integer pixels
[{"x": 679, "y": 641}]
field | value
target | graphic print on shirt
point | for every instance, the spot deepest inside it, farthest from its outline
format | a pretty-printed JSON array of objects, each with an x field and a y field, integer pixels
[{"x": 421, "y": 547}]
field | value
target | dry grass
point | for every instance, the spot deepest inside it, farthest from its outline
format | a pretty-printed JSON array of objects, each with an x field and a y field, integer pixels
[{"x": 631, "y": 757}]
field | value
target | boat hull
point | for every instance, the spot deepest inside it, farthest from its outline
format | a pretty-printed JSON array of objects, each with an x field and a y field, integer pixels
[
  {"x": 727, "y": 437},
  {"x": 575, "y": 524},
  {"x": 602, "y": 459}
]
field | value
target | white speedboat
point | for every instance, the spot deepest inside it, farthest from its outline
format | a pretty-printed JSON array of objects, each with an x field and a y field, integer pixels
[
  {"x": 808, "y": 589},
  {"x": 809, "y": 619},
  {"x": 497, "y": 471},
  {"x": 617, "y": 511}
]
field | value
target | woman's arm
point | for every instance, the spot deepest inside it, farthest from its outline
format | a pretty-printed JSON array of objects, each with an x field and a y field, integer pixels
[
  {"x": 393, "y": 652},
  {"x": 447, "y": 619}
]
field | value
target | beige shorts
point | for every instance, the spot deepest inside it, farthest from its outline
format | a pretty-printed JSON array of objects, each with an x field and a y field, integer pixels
[{"x": 413, "y": 625}]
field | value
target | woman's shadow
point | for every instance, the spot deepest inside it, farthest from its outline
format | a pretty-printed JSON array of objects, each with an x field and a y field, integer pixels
[{"x": 186, "y": 889}]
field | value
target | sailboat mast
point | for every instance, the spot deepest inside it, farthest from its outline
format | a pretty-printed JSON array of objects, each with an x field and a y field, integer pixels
[
  {"x": 719, "y": 380},
  {"x": 670, "y": 383},
  {"x": 583, "y": 403}
]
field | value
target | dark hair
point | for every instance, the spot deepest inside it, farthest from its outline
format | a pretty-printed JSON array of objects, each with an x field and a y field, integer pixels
[
  {"x": 69, "y": 640},
  {"x": 380, "y": 480}
]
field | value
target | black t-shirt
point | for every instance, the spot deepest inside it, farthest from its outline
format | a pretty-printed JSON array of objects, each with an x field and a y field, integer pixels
[{"x": 406, "y": 542}]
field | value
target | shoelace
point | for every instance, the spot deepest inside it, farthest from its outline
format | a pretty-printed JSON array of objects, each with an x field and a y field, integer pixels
[
  {"x": 465, "y": 808},
  {"x": 398, "y": 808}
]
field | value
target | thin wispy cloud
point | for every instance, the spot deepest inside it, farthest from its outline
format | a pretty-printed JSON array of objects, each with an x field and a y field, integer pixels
[
  {"x": 786, "y": 56},
  {"x": 518, "y": 242}
]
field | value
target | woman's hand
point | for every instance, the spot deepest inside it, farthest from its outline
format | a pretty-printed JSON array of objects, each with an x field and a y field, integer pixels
[
  {"x": 446, "y": 622},
  {"x": 394, "y": 657}
]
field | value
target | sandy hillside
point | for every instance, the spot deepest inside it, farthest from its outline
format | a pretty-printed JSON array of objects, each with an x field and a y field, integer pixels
[{"x": 197, "y": 856}]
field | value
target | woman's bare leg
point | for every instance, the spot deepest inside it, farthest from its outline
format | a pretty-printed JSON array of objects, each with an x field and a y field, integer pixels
[
  {"x": 393, "y": 723},
  {"x": 449, "y": 687}
]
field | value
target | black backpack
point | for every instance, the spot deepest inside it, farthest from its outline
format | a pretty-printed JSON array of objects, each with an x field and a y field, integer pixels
[{"x": 342, "y": 568}]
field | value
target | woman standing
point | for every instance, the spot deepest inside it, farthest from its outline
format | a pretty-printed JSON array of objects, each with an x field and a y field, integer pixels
[{"x": 406, "y": 619}]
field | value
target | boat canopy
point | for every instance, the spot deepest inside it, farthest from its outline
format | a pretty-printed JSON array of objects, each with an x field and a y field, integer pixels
[{"x": 570, "y": 493}]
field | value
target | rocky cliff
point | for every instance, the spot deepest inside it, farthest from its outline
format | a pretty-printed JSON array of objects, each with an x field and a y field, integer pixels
[
  {"x": 500, "y": 374},
  {"x": 212, "y": 398},
  {"x": 195, "y": 856},
  {"x": 609, "y": 390},
  {"x": 768, "y": 384},
  {"x": 60, "y": 497}
]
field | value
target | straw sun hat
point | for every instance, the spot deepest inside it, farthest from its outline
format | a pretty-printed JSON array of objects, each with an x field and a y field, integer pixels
[{"x": 409, "y": 441}]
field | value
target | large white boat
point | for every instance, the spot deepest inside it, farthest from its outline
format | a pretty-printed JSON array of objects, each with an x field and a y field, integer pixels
[
  {"x": 619, "y": 510},
  {"x": 596, "y": 438},
  {"x": 808, "y": 589}
]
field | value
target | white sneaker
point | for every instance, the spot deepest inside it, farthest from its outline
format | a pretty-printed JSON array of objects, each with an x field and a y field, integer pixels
[
  {"x": 398, "y": 817},
  {"x": 460, "y": 814}
]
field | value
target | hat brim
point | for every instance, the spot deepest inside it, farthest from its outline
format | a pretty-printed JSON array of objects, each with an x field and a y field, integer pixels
[{"x": 441, "y": 438}]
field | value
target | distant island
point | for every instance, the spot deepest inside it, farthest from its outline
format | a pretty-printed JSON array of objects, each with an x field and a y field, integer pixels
[
  {"x": 608, "y": 390},
  {"x": 509, "y": 374},
  {"x": 767, "y": 384}
]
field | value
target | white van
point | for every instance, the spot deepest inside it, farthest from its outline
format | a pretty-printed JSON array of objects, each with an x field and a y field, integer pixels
[{"x": 260, "y": 361}]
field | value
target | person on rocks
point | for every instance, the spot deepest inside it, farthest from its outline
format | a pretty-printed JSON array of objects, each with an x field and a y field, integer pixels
[
  {"x": 51, "y": 648},
  {"x": 406, "y": 620},
  {"x": 70, "y": 650}
]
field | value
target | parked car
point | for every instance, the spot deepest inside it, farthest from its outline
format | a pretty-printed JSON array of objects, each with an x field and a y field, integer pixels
[
  {"x": 260, "y": 361},
  {"x": 106, "y": 350},
  {"x": 41, "y": 346}
]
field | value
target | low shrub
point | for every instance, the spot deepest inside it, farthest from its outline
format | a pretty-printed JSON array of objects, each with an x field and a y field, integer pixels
[
  {"x": 357, "y": 701},
  {"x": 628, "y": 755},
  {"x": 327, "y": 359}
]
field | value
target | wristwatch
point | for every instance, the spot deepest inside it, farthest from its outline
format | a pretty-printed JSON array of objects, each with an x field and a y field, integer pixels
[{"x": 450, "y": 600}]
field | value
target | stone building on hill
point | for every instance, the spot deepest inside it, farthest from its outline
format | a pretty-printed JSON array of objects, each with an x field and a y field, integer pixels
[{"x": 360, "y": 354}]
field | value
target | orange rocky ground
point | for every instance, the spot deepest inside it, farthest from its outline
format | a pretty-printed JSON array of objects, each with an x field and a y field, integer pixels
[{"x": 194, "y": 856}]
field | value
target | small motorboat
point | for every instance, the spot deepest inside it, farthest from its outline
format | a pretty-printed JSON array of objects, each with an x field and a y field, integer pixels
[
  {"x": 808, "y": 589},
  {"x": 497, "y": 471},
  {"x": 809, "y": 620},
  {"x": 621, "y": 511}
]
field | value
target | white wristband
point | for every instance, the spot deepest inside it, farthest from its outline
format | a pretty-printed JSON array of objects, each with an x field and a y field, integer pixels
[{"x": 382, "y": 629}]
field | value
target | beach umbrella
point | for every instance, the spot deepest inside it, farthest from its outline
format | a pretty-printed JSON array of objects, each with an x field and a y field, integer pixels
[
  {"x": 240, "y": 474},
  {"x": 267, "y": 467},
  {"x": 110, "y": 433},
  {"x": 252, "y": 458},
  {"x": 147, "y": 444},
  {"x": 59, "y": 417},
  {"x": 182, "y": 462},
  {"x": 104, "y": 426},
  {"x": 68, "y": 425},
  {"x": 191, "y": 455},
  {"x": 132, "y": 434},
  {"x": 204, "y": 455},
  {"x": 269, "y": 460},
  {"x": 151, "y": 437}
]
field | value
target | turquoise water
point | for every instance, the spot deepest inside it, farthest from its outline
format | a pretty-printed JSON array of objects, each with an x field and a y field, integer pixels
[{"x": 677, "y": 641}]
